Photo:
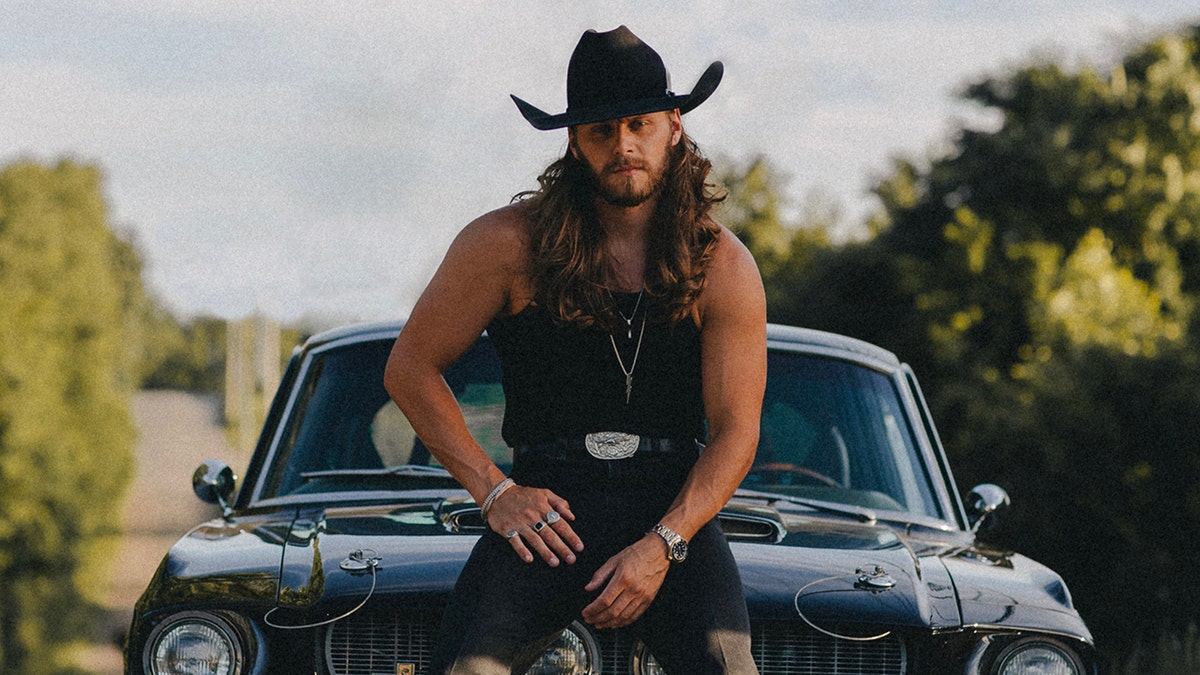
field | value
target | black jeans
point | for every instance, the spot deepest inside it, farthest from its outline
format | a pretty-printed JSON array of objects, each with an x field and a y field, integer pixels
[{"x": 506, "y": 612}]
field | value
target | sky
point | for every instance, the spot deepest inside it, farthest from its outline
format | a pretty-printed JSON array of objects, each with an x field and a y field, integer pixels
[{"x": 312, "y": 160}]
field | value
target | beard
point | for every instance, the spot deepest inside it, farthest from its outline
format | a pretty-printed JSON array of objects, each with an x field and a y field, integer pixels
[{"x": 629, "y": 190}]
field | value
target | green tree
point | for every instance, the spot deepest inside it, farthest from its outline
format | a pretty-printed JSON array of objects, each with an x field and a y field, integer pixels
[
  {"x": 754, "y": 208},
  {"x": 1041, "y": 276},
  {"x": 71, "y": 304}
]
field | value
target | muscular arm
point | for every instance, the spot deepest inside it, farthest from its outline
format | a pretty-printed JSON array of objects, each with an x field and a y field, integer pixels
[
  {"x": 472, "y": 285},
  {"x": 481, "y": 277},
  {"x": 734, "y": 353},
  {"x": 732, "y": 313}
]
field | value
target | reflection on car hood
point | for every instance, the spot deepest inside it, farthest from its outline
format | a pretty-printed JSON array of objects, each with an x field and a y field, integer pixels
[{"x": 828, "y": 569}]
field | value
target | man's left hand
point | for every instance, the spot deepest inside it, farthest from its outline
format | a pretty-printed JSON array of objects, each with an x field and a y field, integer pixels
[{"x": 631, "y": 580}]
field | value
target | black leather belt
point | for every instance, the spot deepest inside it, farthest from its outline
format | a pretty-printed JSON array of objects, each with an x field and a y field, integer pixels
[{"x": 579, "y": 446}]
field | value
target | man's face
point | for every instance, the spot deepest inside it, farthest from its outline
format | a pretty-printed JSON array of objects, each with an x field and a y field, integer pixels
[{"x": 627, "y": 157}]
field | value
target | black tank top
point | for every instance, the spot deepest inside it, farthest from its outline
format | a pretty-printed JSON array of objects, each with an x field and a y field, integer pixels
[{"x": 561, "y": 381}]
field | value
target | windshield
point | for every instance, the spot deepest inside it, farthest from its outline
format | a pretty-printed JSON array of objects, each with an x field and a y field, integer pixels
[
  {"x": 831, "y": 430},
  {"x": 837, "y": 431}
]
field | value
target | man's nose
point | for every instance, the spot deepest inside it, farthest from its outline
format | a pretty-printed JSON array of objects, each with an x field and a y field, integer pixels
[{"x": 624, "y": 144}]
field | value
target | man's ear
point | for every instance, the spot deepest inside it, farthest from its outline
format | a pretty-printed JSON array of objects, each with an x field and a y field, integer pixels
[
  {"x": 676, "y": 127},
  {"x": 571, "y": 142}
]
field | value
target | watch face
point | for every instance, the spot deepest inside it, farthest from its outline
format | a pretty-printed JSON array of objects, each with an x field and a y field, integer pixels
[{"x": 679, "y": 551}]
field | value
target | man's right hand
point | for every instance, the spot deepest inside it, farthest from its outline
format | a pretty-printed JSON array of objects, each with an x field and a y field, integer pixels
[{"x": 520, "y": 509}]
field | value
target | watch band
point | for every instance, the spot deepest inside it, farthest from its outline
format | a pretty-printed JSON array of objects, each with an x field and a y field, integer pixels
[{"x": 676, "y": 545}]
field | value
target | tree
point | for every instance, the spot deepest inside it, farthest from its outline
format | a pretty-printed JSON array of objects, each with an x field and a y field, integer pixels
[
  {"x": 1041, "y": 276},
  {"x": 68, "y": 364}
]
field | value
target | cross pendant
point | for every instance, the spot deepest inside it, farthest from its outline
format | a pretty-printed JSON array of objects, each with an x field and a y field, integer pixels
[{"x": 628, "y": 387}]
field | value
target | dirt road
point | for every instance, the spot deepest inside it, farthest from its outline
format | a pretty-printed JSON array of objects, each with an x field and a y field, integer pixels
[{"x": 177, "y": 431}]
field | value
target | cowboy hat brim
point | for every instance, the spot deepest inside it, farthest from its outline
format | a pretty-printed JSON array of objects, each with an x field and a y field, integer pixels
[{"x": 704, "y": 88}]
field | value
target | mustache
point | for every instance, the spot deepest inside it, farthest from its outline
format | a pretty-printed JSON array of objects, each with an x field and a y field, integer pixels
[{"x": 621, "y": 164}]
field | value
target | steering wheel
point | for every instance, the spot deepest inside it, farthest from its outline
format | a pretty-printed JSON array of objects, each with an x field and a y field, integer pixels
[{"x": 784, "y": 471}]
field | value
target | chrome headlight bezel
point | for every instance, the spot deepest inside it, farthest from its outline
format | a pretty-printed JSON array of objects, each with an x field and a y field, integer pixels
[
  {"x": 1007, "y": 656},
  {"x": 228, "y": 631},
  {"x": 580, "y": 641},
  {"x": 644, "y": 662}
]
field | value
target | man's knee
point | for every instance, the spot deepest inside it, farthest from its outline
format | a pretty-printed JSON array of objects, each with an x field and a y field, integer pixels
[
  {"x": 731, "y": 649},
  {"x": 714, "y": 652}
]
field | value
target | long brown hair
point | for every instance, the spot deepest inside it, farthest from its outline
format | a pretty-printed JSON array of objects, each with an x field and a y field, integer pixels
[{"x": 569, "y": 267}]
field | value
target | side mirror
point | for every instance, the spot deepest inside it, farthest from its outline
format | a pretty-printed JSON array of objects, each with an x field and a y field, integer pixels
[
  {"x": 984, "y": 503},
  {"x": 213, "y": 482}
]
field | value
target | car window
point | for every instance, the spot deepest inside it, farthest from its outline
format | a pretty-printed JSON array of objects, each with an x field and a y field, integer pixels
[
  {"x": 344, "y": 420},
  {"x": 838, "y": 431},
  {"x": 831, "y": 430}
]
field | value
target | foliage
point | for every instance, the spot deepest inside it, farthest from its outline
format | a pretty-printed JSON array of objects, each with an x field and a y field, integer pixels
[
  {"x": 68, "y": 362},
  {"x": 191, "y": 357},
  {"x": 1042, "y": 278}
]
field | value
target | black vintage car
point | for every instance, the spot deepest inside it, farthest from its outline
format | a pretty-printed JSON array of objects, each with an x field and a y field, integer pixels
[{"x": 857, "y": 554}]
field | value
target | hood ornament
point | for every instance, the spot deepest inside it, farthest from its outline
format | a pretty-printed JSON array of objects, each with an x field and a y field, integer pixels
[
  {"x": 875, "y": 581},
  {"x": 359, "y": 561}
]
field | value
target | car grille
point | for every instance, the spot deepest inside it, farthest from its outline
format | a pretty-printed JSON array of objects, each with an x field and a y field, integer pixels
[{"x": 371, "y": 644}]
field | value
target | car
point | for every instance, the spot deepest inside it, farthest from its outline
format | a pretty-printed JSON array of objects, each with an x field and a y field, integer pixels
[{"x": 857, "y": 554}]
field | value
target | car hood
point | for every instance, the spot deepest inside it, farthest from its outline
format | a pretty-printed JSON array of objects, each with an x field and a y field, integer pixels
[{"x": 836, "y": 573}]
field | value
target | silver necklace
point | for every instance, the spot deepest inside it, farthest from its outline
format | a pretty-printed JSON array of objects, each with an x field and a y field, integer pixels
[
  {"x": 633, "y": 364},
  {"x": 632, "y": 315}
]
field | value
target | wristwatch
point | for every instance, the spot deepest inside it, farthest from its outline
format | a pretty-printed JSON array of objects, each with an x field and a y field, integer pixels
[{"x": 676, "y": 545}]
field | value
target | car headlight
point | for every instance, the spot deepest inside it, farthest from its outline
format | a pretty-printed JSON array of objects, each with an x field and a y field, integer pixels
[
  {"x": 573, "y": 653},
  {"x": 1037, "y": 657},
  {"x": 194, "y": 643},
  {"x": 644, "y": 662}
]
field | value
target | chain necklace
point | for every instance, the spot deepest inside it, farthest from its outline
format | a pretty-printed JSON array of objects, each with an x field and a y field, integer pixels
[
  {"x": 628, "y": 319},
  {"x": 633, "y": 364},
  {"x": 629, "y": 334}
]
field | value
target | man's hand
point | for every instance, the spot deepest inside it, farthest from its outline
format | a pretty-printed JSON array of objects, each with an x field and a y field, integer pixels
[
  {"x": 631, "y": 580},
  {"x": 520, "y": 509}
]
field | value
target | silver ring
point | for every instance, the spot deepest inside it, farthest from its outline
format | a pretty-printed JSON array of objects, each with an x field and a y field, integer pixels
[
  {"x": 552, "y": 517},
  {"x": 510, "y": 534},
  {"x": 539, "y": 526}
]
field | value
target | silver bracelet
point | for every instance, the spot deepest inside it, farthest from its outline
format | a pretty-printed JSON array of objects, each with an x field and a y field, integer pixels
[{"x": 491, "y": 498}]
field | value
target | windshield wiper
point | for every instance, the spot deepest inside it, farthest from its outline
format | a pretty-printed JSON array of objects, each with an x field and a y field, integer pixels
[
  {"x": 415, "y": 470},
  {"x": 860, "y": 513}
]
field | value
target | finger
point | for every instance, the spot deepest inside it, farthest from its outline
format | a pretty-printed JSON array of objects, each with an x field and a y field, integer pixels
[
  {"x": 619, "y": 605},
  {"x": 535, "y": 540},
  {"x": 601, "y": 576},
  {"x": 601, "y": 609},
  {"x": 562, "y": 527},
  {"x": 562, "y": 506},
  {"x": 518, "y": 546},
  {"x": 570, "y": 541},
  {"x": 627, "y": 615},
  {"x": 616, "y": 613},
  {"x": 554, "y": 539}
]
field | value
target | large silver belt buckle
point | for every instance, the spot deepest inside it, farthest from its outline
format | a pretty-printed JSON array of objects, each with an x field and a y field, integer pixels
[{"x": 611, "y": 444}]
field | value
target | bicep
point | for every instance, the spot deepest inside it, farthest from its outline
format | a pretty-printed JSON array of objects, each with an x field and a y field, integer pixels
[
  {"x": 469, "y": 289},
  {"x": 734, "y": 343}
]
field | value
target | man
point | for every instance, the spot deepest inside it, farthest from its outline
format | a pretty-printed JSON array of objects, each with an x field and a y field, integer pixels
[{"x": 630, "y": 327}]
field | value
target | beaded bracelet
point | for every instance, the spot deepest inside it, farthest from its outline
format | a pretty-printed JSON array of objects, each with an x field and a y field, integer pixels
[{"x": 495, "y": 493}]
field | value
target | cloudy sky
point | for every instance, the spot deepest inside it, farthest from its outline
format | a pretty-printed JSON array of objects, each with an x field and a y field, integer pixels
[{"x": 315, "y": 158}]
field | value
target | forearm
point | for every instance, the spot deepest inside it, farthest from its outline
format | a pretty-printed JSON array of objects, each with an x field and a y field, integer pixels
[
  {"x": 712, "y": 481},
  {"x": 431, "y": 408}
]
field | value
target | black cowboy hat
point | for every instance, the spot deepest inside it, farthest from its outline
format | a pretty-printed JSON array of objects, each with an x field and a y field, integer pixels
[{"x": 614, "y": 75}]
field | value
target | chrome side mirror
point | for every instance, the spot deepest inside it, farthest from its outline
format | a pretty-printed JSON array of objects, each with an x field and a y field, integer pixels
[
  {"x": 984, "y": 503},
  {"x": 213, "y": 482}
]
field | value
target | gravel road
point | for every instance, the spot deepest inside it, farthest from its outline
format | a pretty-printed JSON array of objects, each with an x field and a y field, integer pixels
[{"x": 176, "y": 432}]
